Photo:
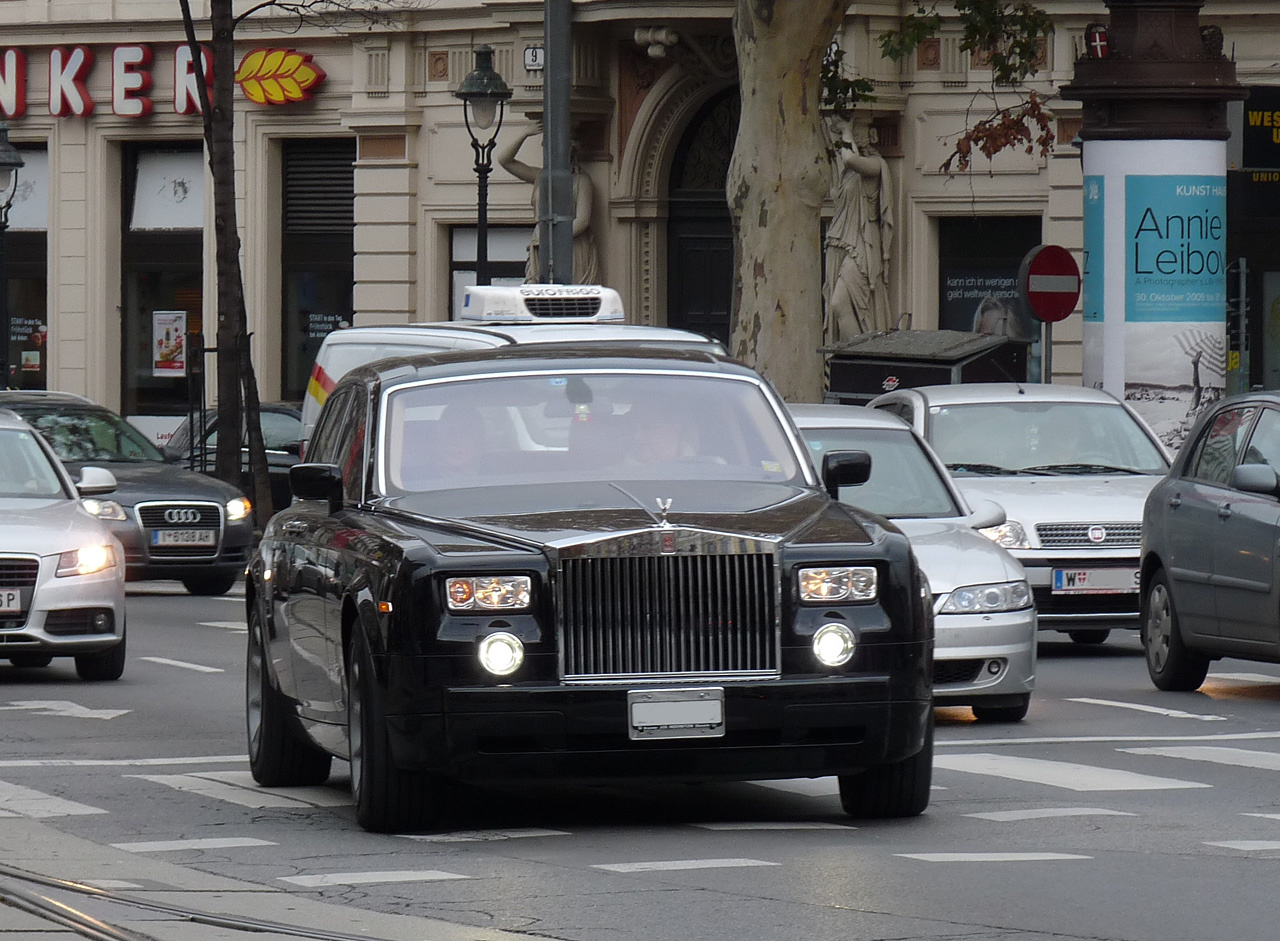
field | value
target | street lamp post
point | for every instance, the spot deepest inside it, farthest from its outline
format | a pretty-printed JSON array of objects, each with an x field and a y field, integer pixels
[
  {"x": 10, "y": 162},
  {"x": 484, "y": 95}
]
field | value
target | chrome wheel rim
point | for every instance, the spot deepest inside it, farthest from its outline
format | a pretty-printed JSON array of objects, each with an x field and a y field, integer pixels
[
  {"x": 355, "y": 726},
  {"x": 1159, "y": 627},
  {"x": 253, "y": 677}
]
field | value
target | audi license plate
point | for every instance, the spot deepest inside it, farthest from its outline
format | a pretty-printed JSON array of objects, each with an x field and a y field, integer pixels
[
  {"x": 676, "y": 713},
  {"x": 10, "y": 601},
  {"x": 184, "y": 537},
  {"x": 1095, "y": 581}
]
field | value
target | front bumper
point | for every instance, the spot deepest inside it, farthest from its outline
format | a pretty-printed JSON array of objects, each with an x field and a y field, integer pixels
[
  {"x": 1069, "y": 612},
  {"x": 773, "y": 729},
  {"x": 230, "y": 554},
  {"x": 59, "y": 617},
  {"x": 968, "y": 647}
]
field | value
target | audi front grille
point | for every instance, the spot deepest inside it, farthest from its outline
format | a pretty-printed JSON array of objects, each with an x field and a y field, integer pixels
[
  {"x": 22, "y": 573},
  {"x": 180, "y": 517}
]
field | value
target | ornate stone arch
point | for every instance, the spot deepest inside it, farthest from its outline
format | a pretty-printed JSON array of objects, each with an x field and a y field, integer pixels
[{"x": 640, "y": 207}]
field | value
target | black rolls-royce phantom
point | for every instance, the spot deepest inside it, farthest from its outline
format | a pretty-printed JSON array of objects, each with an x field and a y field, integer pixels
[{"x": 580, "y": 564}]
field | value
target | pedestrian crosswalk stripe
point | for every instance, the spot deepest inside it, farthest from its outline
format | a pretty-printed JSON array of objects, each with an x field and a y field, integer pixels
[
  {"x": 183, "y": 664},
  {"x": 1154, "y": 710},
  {"x": 239, "y": 627},
  {"x": 672, "y": 865},
  {"x": 809, "y": 787},
  {"x": 111, "y": 884},
  {"x": 1062, "y": 774},
  {"x": 370, "y": 878},
  {"x": 1043, "y": 812},
  {"x": 1248, "y": 845},
  {"x": 1245, "y": 677},
  {"x": 220, "y": 791},
  {"x": 990, "y": 857},
  {"x": 18, "y": 801},
  {"x": 483, "y": 836},
  {"x": 1239, "y": 757},
  {"x": 775, "y": 825},
  {"x": 116, "y": 762},
  {"x": 316, "y": 796},
  {"x": 169, "y": 846}
]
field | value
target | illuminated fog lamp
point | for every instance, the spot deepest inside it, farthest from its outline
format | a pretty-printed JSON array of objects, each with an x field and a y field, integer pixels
[
  {"x": 833, "y": 645},
  {"x": 501, "y": 653}
]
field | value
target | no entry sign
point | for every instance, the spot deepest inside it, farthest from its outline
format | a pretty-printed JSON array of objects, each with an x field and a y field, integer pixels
[{"x": 1049, "y": 281}]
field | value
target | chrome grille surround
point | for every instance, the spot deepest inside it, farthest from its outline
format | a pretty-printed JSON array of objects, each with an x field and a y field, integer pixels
[
  {"x": 1076, "y": 535},
  {"x": 668, "y": 604}
]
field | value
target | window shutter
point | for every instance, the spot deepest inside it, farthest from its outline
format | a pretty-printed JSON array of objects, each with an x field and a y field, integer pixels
[{"x": 319, "y": 186}]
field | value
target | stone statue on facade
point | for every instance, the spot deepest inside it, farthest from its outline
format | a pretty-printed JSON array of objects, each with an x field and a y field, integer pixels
[
  {"x": 586, "y": 259},
  {"x": 860, "y": 237}
]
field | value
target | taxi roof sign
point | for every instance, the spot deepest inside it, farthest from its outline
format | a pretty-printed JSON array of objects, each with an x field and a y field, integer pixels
[{"x": 541, "y": 303}]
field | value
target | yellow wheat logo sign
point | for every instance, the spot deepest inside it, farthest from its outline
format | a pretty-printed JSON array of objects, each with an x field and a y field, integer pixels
[{"x": 278, "y": 76}]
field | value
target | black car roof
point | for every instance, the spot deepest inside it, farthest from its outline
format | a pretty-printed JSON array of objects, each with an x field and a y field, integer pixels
[{"x": 462, "y": 363}]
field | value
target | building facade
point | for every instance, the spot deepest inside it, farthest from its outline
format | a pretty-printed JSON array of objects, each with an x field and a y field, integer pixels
[{"x": 357, "y": 191}]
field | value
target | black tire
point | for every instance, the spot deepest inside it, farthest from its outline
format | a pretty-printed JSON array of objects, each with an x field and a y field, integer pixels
[
  {"x": 104, "y": 665},
  {"x": 1171, "y": 664},
  {"x": 31, "y": 660},
  {"x": 388, "y": 799},
  {"x": 1094, "y": 636},
  {"x": 206, "y": 585},
  {"x": 278, "y": 754},
  {"x": 896, "y": 789},
  {"x": 1003, "y": 713}
]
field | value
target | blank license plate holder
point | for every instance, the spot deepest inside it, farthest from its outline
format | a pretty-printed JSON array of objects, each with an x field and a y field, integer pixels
[{"x": 676, "y": 713}]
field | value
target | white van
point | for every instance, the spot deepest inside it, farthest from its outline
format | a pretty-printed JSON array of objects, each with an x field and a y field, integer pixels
[{"x": 492, "y": 316}]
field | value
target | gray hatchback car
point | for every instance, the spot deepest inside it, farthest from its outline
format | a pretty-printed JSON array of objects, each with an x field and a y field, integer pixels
[{"x": 1209, "y": 535}]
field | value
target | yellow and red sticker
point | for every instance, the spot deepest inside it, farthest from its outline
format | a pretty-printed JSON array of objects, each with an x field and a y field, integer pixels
[{"x": 319, "y": 385}]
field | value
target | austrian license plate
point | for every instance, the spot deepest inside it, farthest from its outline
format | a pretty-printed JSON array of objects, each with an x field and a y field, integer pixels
[
  {"x": 676, "y": 713},
  {"x": 1095, "y": 581},
  {"x": 10, "y": 601},
  {"x": 184, "y": 537}
]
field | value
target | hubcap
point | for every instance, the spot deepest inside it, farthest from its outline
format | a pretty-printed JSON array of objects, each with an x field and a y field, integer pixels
[
  {"x": 355, "y": 726},
  {"x": 1159, "y": 628},
  {"x": 253, "y": 687}
]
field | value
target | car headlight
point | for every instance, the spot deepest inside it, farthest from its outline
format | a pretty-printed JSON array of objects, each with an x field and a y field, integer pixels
[
  {"x": 104, "y": 509},
  {"x": 1009, "y": 534},
  {"x": 488, "y": 592},
  {"x": 988, "y": 599},
  {"x": 86, "y": 560},
  {"x": 501, "y": 654},
  {"x": 238, "y": 509},
  {"x": 833, "y": 645},
  {"x": 838, "y": 583}
]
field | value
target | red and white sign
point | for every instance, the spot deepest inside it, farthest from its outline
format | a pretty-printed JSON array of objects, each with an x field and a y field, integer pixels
[{"x": 1049, "y": 280}]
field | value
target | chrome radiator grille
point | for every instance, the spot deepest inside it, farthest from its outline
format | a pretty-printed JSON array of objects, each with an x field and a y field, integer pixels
[
  {"x": 685, "y": 615},
  {"x": 1081, "y": 535}
]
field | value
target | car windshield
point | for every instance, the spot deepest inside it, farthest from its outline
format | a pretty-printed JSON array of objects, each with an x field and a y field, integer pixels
[
  {"x": 904, "y": 482},
  {"x": 92, "y": 435},
  {"x": 25, "y": 469},
  {"x": 583, "y": 427},
  {"x": 1030, "y": 437}
]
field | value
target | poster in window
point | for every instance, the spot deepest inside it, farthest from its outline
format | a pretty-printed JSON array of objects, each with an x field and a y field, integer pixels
[{"x": 168, "y": 333}]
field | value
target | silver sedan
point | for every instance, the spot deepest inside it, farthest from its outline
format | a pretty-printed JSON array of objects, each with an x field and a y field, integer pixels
[
  {"x": 61, "y": 571},
  {"x": 984, "y": 615}
]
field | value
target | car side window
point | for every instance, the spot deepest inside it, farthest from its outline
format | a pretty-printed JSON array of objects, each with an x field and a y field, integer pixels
[
  {"x": 1218, "y": 449},
  {"x": 1264, "y": 443},
  {"x": 323, "y": 446},
  {"x": 349, "y": 448}
]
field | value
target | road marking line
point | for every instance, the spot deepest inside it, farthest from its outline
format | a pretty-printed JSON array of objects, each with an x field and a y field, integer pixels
[
  {"x": 989, "y": 857},
  {"x": 776, "y": 825},
  {"x": 1248, "y": 844},
  {"x": 316, "y": 796},
  {"x": 238, "y": 627},
  {"x": 1008, "y": 815},
  {"x": 481, "y": 836},
  {"x": 21, "y": 801},
  {"x": 1104, "y": 739},
  {"x": 58, "y": 707},
  {"x": 368, "y": 878},
  {"x": 219, "y": 791},
  {"x": 671, "y": 865},
  {"x": 1154, "y": 710},
  {"x": 116, "y": 762},
  {"x": 1245, "y": 677},
  {"x": 166, "y": 846},
  {"x": 111, "y": 884},
  {"x": 810, "y": 787},
  {"x": 165, "y": 661},
  {"x": 1062, "y": 774},
  {"x": 1239, "y": 757},
  {"x": 1264, "y": 816}
]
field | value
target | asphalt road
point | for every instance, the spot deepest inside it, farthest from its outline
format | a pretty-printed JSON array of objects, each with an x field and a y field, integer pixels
[{"x": 1114, "y": 811}]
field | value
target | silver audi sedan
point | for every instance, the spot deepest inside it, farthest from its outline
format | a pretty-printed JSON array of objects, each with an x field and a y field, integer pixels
[
  {"x": 984, "y": 615},
  {"x": 61, "y": 571}
]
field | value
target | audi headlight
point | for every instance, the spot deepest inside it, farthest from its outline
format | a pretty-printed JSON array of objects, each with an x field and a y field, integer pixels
[
  {"x": 501, "y": 653},
  {"x": 488, "y": 592},
  {"x": 238, "y": 509},
  {"x": 86, "y": 560},
  {"x": 842, "y": 583},
  {"x": 1009, "y": 534},
  {"x": 988, "y": 599},
  {"x": 104, "y": 509}
]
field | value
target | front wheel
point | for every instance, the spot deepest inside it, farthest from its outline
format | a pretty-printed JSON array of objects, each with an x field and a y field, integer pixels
[
  {"x": 1014, "y": 713},
  {"x": 1089, "y": 637},
  {"x": 213, "y": 584},
  {"x": 1171, "y": 664},
  {"x": 104, "y": 665},
  {"x": 896, "y": 789}
]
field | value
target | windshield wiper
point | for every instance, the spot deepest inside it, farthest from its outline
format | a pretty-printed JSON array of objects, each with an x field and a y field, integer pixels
[
  {"x": 992, "y": 469},
  {"x": 1083, "y": 468}
]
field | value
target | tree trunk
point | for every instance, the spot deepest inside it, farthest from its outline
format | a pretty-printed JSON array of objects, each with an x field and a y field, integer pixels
[{"x": 778, "y": 178}]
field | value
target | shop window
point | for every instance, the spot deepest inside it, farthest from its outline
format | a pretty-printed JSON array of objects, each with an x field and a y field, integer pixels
[
  {"x": 26, "y": 270},
  {"x": 317, "y": 251},
  {"x": 508, "y": 250}
]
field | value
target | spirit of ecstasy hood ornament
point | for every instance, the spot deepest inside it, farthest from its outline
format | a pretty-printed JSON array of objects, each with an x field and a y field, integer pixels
[{"x": 663, "y": 507}]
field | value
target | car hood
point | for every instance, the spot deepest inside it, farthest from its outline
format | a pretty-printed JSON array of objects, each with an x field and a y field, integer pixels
[
  {"x": 1064, "y": 499},
  {"x": 568, "y": 513},
  {"x": 953, "y": 555},
  {"x": 47, "y": 526},
  {"x": 139, "y": 481}
]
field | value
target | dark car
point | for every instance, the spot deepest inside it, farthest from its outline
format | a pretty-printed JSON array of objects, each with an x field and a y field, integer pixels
[
  {"x": 281, "y": 436},
  {"x": 548, "y": 562},
  {"x": 172, "y": 522},
  {"x": 1209, "y": 535}
]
